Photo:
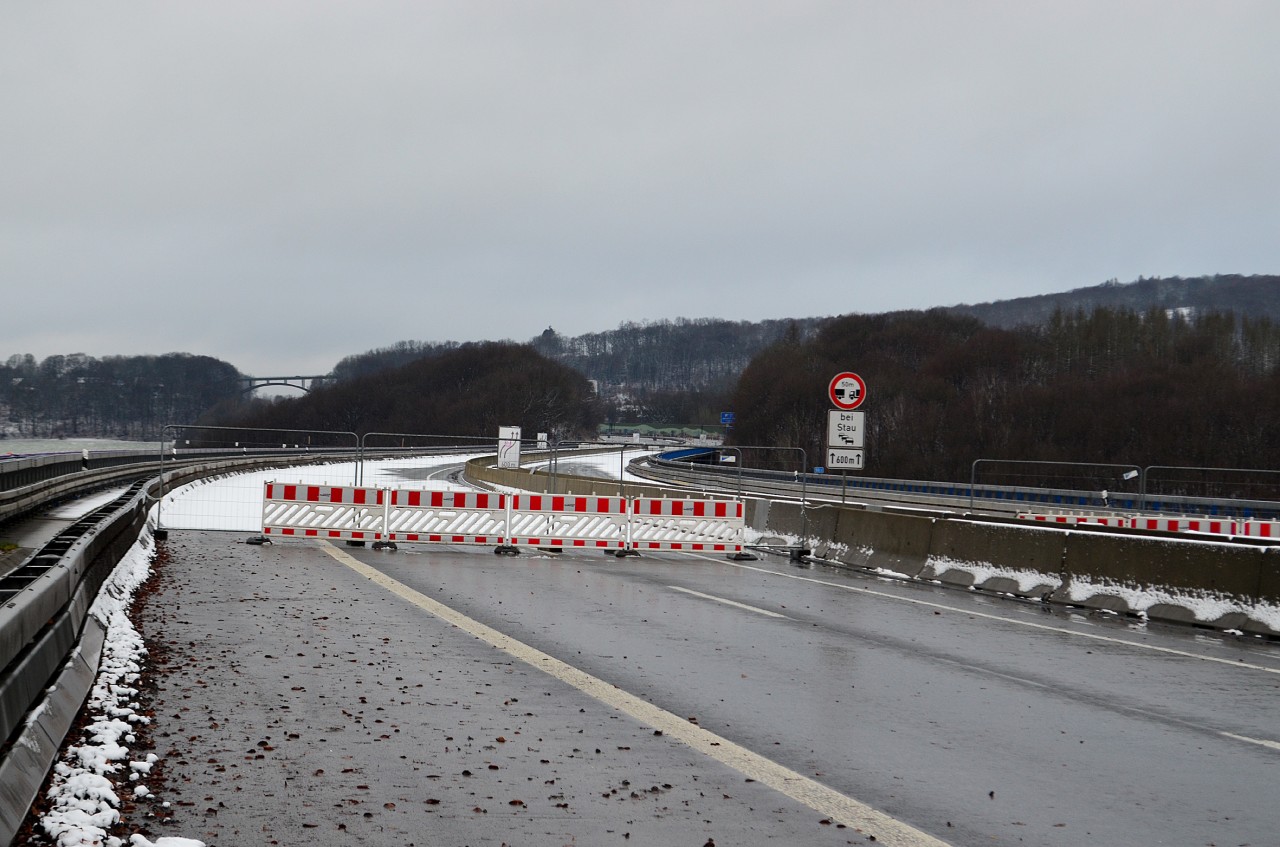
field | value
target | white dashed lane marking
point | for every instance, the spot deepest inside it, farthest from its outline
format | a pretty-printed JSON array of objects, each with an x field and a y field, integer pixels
[{"x": 827, "y": 801}]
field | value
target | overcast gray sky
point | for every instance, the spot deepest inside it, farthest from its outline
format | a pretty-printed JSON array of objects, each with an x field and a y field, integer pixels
[{"x": 280, "y": 184}]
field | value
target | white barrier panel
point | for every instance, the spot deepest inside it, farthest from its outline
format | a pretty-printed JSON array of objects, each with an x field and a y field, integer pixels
[
  {"x": 446, "y": 517},
  {"x": 552, "y": 520},
  {"x": 323, "y": 511},
  {"x": 687, "y": 525}
]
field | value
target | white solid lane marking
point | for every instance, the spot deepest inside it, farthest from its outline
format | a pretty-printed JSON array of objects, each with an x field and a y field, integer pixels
[
  {"x": 1261, "y": 742},
  {"x": 826, "y": 801},
  {"x": 1235, "y": 663},
  {"x": 734, "y": 603}
]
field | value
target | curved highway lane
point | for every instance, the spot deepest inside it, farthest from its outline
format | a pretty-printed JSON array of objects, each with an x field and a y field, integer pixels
[{"x": 937, "y": 715}]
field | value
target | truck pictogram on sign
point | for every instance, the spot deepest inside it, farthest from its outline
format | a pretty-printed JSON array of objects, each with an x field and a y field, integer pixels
[{"x": 847, "y": 391}]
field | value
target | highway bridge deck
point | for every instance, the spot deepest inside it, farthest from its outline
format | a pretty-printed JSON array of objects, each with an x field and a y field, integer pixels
[
  {"x": 298, "y": 702},
  {"x": 311, "y": 693}
]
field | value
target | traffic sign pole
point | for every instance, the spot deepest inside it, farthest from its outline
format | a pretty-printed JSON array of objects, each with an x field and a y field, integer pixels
[{"x": 846, "y": 428}]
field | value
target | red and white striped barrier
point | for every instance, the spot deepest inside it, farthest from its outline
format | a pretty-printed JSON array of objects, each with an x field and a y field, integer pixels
[
  {"x": 390, "y": 516},
  {"x": 1262, "y": 529},
  {"x": 687, "y": 525},
  {"x": 553, "y": 520},
  {"x": 1209, "y": 526},
  {"x": 1213, "y": 527},
  {"x": 323, "y": 511},
  {"x": 446, "y": 517},
  {"x": 1103, "y": 520}
]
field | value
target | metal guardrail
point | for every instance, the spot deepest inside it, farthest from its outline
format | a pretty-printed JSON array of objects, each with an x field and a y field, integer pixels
[
  {"x": 27, "y": 483},
  {"x": 49, "y": 645},
  {"x": 988, "y": 499},
  {"x": 44, "y": 623}
]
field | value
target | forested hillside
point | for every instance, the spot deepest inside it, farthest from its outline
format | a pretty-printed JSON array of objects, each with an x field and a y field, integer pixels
[
  {"x": 679, "y": 355},
  {"x": 1112, "y": 386},
  {"x": 664, "y": 371},
  {"x": 384, "y": 358},
  {"x": 682, "y": 371},
  {"x": 470, "y": 390},
  {"x": 638, "y": 362},
  {"x": 1257, "y": 296},
  {"x": 131, "y": 397}
]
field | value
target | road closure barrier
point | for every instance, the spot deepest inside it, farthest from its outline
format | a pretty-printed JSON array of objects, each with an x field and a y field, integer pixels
[
  {"x": 323, "y": 511},
  {"x": 395, "y": 516},
  {"x": 1202, "y": 525}
]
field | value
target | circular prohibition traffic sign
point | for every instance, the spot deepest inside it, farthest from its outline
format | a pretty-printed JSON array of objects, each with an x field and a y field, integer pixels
[{"x": 847, "y": 391}]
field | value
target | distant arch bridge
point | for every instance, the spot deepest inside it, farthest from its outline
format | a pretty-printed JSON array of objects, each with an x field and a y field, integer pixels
[{"x": 249, "y": 384}]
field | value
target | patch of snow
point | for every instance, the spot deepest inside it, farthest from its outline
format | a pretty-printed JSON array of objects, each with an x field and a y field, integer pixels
[
  {"x": 233, "y": 501},
  {"x": 609, "y": 466},
  {"x": 1026, "y": 580},
  {"x": 1205, "y": 606},
  {"x": 84, "y": 801},
  {"x": 79, "y": 508}
]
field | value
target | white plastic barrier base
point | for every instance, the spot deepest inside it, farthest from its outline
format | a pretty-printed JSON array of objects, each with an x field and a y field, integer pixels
[{"x": 390, "y": 516}]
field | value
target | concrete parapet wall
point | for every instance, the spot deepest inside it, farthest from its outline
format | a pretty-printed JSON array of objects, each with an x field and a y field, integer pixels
[
  {"x": 1235, "y": 586},
  {"x": 1269, "y": 576},
  {"x": 1165, "y": 578},
  {"x": 894, "y": 542},
  {"x": 956, "y": 544},
  {"x": 1228, "y": 569},
  {"x": 540, "y": 481},
  {"x": 775, "y": 518}
]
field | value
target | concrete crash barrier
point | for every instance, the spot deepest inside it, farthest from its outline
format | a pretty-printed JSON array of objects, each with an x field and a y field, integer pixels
[
  {"x": 540, "y": 481},
  {"x": 852, "y": 536},
  {"x": 25, "y": 765},
  {"x": 50, "y": 647},
  {"x": 958, "y": 548},
  {"x": 822, "y": 523},
  {"x": 1269, "y": 576},
  {"x": 1115, "y": 570},
  {"x": 887, "y": 540},
  {"x": 1167, "y": 578},
  {"x": 777, "y": 518},
  {"x": 44, "y": 684}
]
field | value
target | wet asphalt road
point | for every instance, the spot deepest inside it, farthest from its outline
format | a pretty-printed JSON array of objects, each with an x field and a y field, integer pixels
[{"x": 299, "y": 702}]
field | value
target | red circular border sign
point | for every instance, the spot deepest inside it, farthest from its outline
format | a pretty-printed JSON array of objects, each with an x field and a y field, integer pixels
[{"x": 840, "y": 403}]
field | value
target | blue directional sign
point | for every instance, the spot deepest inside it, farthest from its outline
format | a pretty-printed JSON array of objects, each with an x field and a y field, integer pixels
[{"x": 726, "y": 418}]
